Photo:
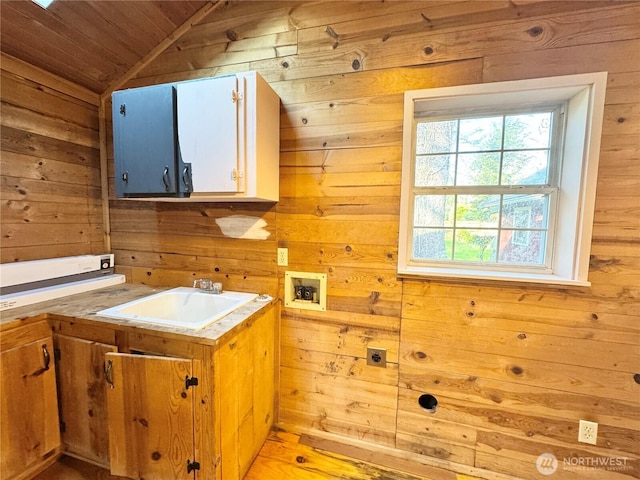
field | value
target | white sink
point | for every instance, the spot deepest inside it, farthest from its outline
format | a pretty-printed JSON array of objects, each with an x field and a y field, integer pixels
[{"x": 180, "y": 307}]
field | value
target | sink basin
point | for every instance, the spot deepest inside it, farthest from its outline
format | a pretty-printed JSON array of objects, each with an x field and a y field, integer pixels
[{"x": 180, "y": 307}]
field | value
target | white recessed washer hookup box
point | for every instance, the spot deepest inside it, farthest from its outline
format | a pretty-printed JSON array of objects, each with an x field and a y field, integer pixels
[
  {"x": 305, "y": 290},
  {"x": 25, "y": 283}
]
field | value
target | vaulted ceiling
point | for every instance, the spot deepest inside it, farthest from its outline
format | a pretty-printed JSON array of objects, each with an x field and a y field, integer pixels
[{"x": 93, "y": 43}]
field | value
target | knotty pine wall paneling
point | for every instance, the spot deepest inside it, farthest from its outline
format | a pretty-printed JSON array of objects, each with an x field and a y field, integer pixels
[
  {"x": 514, "y": 367},
  {"x": 50, "y": 169}
]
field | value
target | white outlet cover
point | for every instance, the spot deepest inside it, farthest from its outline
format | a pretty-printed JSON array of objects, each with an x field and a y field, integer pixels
[
  {"x": 283, "y": 257},
  {"x": 588, "y": 432}
]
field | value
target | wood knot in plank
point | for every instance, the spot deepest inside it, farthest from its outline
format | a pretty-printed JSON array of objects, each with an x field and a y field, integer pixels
[
  {"x": 332, "y": 33},
  {"x": 143, "y": 421},
  {"x": 355, "y": 64},
  {"x": 598, "y": 263},
  {"x": 428, "y": 50},
  {"x": 494, "y": 397},
  {"x": 522, "y": 336},
  {"x": 373, "y": 298},
  {"x": 535, "y": 31},
  {"x": 300, "y": 459},
  {"x": 231, "y": 35},
  {"x": 516, "y": 370},
  {"x": 636, "y": 378}
]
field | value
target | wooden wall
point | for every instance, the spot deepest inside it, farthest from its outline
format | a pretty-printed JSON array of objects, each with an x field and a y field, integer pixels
[
  {"x": 50, "y": 167},
  {"x": 513, "y": 367}
]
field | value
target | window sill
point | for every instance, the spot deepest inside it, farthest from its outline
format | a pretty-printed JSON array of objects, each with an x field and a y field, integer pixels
[{"x": 475, "y": 275}]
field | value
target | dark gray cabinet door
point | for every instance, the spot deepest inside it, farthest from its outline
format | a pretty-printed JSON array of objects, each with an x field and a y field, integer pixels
[{"x": 144, "y": 133}]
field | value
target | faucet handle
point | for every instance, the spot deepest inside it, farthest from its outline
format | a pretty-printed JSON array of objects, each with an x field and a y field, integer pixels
[
  {"x": 204, "y": 283},
  {"x": 208, "y": 285}
]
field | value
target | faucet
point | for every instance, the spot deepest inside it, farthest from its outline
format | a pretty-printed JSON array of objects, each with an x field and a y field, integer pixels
[{"x": 207, "y": 285}]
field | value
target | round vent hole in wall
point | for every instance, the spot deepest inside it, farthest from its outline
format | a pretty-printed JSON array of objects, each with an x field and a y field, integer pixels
[{"x": 428, "y": 402}]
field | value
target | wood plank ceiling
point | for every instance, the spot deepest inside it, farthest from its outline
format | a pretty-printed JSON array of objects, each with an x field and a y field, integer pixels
[{"x": 90, "y": 43}]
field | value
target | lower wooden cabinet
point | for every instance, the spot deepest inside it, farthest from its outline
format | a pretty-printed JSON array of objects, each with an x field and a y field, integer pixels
[
  {"x": 82, "y": 394},
  {"x": 29, "y": 410},
  {"x": 151, "y": 403},
  {"x": 246, "y": 384},
  {"x": 159, "y": 406}
]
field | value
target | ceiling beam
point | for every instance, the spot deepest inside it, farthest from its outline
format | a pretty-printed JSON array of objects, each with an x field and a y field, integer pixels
[
  {"x": 48, "y": 79},
  {"x": 161, "y": 47}
]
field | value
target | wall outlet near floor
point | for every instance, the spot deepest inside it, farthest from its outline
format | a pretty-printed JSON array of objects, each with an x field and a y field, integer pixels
[
  {"x": 588, "y": 432},
  {"x": 283, "y": 257},
  {"x": 376, "y": 357}
]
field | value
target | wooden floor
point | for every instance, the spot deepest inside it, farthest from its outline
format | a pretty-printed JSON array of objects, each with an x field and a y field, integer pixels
[{"x": 284, "y": 456}]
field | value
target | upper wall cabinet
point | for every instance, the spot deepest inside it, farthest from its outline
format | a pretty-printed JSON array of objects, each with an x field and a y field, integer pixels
[{"x": 212, "y": 139}]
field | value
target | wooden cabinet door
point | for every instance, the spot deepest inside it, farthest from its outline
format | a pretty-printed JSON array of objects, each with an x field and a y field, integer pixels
[
  {"x": 151, "y": 416},
  {"x": 208, "y": 133},
  {"x": 82, "y": 391},
  {"x": 29, "y": 406},
  {"x": 247, "y": 393}
]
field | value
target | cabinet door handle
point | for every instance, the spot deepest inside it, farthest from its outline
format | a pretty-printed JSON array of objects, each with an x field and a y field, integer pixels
[
  {"x": 186, "y": 178},
  {"x": 46, "y": 358},
  {"x": 108, "y": 373},
  {"x": 165, "y": 178}
]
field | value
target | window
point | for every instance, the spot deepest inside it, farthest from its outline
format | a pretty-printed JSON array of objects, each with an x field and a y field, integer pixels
[{"x": 498, "y": 180}]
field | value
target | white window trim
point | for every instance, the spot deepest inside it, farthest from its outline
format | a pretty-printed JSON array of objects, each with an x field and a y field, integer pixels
[{"x": 584, "y": 94}]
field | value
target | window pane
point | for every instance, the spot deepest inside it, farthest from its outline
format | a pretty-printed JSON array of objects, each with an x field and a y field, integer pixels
[
  {"x": 477, "y": 211},
  {"x": 433, "y": 211},
  {"x": 436, "y": 137},
  {"x": 525, "y": 211},
  {"x": 480, "y": 134},
  {"x": 478, "y": 169},
  {"x": 527, "y": 131},
  {"x": 475, "y": 245},
  {"x": 522, "y": 246},
  {"x": 435, "y": 170},
  {"x": 432, "y": 243},
  {"x": 529, "y": 167}
]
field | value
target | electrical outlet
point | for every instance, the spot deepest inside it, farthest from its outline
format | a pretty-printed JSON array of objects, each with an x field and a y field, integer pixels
[
  {"x": 283, "y": 257},
  {"x": 588, "y": 432},
  {"x": 376, "y": 357}
]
